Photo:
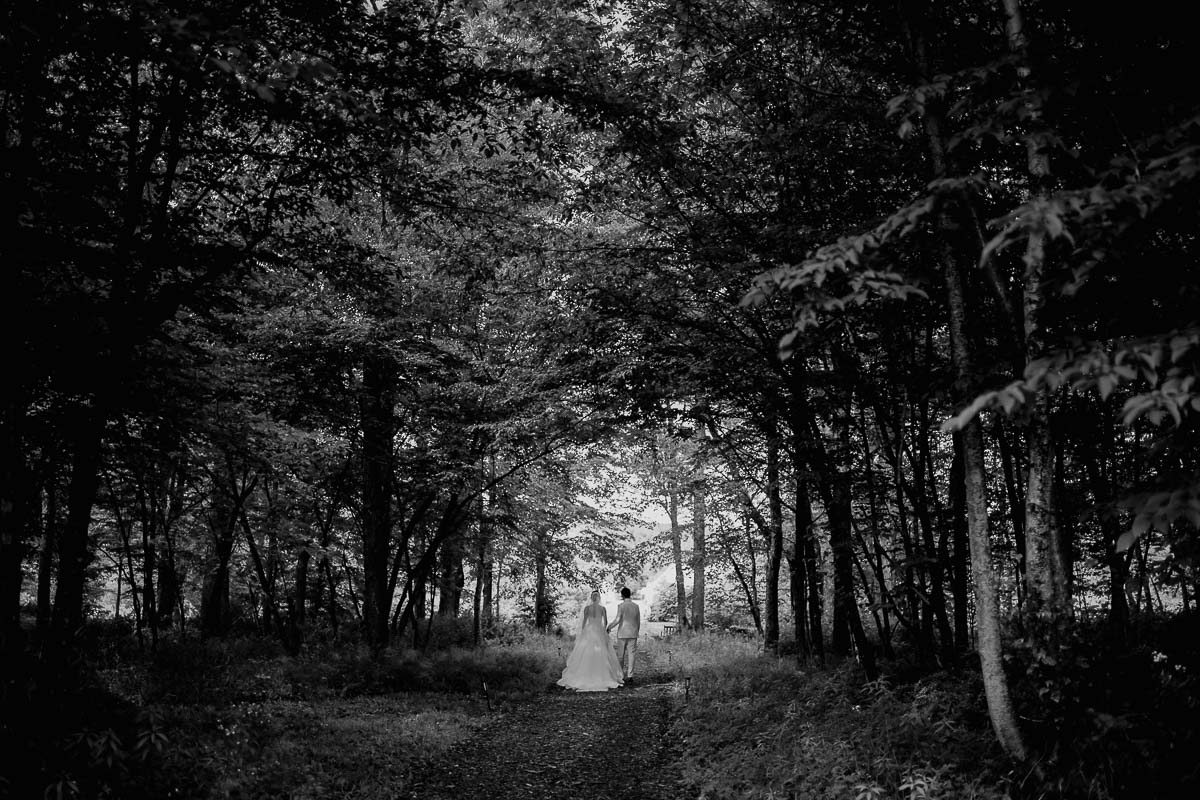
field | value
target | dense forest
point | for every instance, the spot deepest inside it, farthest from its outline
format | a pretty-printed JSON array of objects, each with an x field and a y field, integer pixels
[{"x": 373, "y": 325}]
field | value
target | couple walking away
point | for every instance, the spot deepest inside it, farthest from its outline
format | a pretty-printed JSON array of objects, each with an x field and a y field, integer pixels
[{"x": 592, "y": 665}]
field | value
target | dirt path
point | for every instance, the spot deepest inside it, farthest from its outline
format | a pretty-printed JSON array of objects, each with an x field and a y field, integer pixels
[{"x": 609, "y": 745}]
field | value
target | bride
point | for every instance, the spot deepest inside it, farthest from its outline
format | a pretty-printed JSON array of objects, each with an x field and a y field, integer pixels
[{"x": 592, "y": 665}]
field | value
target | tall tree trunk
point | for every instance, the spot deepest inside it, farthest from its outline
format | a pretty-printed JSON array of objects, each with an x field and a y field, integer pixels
[
  {"x": 796, "y": 572},
  {"x": 960, "y": 557},
  {"x": 270, "y": 600},
  {"x": 1014, "y": 478},
  {"x": 935, "y": 561},
  {"x": 1118, "y": 563},
  {"x": 483, "y": 558},
  {"x": 681, "y": 609},
  {"x": 169, "y": 589},
  {"x": 378, "y": 430},
  {"x": 1045, "y": 569},
  {"x": 882, "y": 620},
  {"x": 149, "y": 569},
  {"x": 18, "y": 514},
  {"x": 805, "y": 452},
  {"x": 477, "y": 606},
  {"x": 816, "y": 593},
  {"x": 227, "y": 498},
  {"x": 848, "y": 634},
  {"x": 298, "y": 606},
  {"x": 50, "y": 528},
  {"x": 541, "y": 599},
  {"x": 699, "y": 554},
  {"x": 123, "y": 527},
  {"x": 987, "y": 611},
  {"x": 74, "y": 551},
  {"x": 774, "y": 543},
  {"x": 452, "y": 578}
]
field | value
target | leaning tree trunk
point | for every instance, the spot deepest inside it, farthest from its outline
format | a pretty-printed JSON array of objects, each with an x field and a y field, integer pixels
[{"x": 987, "y": 610}]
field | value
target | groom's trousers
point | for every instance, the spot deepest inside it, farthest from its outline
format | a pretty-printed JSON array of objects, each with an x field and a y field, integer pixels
[{"x": 626, "y": 652}]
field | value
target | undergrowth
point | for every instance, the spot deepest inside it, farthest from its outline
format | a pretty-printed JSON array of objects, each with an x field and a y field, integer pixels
[
  {"x": 240, "y": 718},
  {"x": 754, "y": 726},
  {"x": 1106, "y": 719}
]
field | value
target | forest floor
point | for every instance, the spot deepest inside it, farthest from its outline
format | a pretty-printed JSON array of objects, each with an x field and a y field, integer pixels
[
  {"x": 611, "y": 745},
  {"x": 409, "y": 726}
]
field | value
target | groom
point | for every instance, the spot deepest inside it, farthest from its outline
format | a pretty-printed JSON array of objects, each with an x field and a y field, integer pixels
[{"x": 627, "y": 623}]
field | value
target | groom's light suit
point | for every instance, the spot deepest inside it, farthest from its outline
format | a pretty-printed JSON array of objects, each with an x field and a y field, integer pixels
[{"x": 628, "y": 624}]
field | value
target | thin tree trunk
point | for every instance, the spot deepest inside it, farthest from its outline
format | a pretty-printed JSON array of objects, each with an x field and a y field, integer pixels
[
  {"x": 699, "y": 553},
  {"x": 987, "y": 611},
  {"x": 149, "y": 560},
  {"x": 1046, "y": 579},
  {"x": 960, "y": 559},
  {"x": 482, "y": 602},
  {"x": 20, "y": 510},
  {"x": 228, "y": 499},
  {"x": 1014, "y": 477},
  {"x": 74, "y": 551},
  {"x": 774, "y": 544},
  {"x": 681, "y": 612},
  {"x": 798, "y": 573},
  {"x": 541, "y": 601},
  {"x": 816, "y": 589},
  {"x": 123, "y": 527},
  {"x": 270, "y": 601},
  {"x": 912, "y": 597},
  {"x": 848, "y": 633},
  {"x": 298, "y": 610},
  {"x": 50, "y": 528},
  {"x": 745, "y": 582}
]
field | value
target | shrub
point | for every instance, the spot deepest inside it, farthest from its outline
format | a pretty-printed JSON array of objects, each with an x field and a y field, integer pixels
[
  {"x": 61, "y": 732},
  {"x": 1114, "y": 714}
]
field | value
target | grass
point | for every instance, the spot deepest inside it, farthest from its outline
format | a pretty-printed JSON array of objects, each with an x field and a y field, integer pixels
[
  {"x": 363, "y": 747},
  {"x": 337, "y": 725}
]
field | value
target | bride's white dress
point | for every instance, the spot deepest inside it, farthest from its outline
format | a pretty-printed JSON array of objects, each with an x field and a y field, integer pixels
[{"x": 592, "y": 665}]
